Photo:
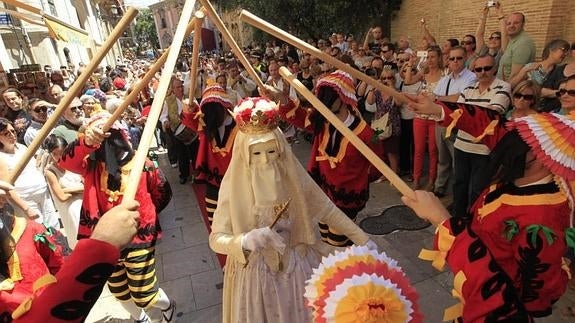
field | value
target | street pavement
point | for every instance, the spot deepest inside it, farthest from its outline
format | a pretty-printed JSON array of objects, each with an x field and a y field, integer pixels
[{"x": 189, "y": 272}]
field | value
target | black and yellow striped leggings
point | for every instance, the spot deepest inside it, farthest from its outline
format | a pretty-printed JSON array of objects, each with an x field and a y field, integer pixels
[
  {"x": 135, "y": 277},
  {"x": 334, "y": 238},
  {"x": 211, "y": 199}
]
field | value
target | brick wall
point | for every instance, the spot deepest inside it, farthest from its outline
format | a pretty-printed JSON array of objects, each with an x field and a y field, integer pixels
[{"x": 546, "y": 19}]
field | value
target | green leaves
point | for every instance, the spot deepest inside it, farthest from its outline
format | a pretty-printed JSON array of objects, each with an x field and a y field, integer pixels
[
  {"x": 43, "y": 238},
  {"x": 145, "y": 30},
  {"x": 511, "y": 229},
  {"x": 534, "y": 229},
  {"x": 318, "y": 18},
  {"x": 570, "y": 237}
]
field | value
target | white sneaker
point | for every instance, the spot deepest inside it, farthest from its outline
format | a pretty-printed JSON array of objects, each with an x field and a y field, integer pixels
[{"x": 174, "y": 165}]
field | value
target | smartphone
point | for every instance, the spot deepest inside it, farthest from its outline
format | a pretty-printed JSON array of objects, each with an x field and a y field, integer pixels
[
  {"x": 491, "y": 3},
  {"x": 422, "y": 53}
]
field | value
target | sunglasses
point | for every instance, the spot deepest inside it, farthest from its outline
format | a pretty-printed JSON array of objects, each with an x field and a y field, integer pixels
[
  {"x": 484, "y": 68},
  {"x": 467, "y": 43},
  {"x": 456, "y": 58},
  {"x": 561, "y": 92},
  {"x": 526, "y": 97},
  {"x": 494, "y": 37},
  {"x": 41, "y": 109}
]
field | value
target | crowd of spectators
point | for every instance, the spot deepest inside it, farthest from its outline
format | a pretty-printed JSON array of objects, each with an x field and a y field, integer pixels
[{"x": 502, "y": 73}]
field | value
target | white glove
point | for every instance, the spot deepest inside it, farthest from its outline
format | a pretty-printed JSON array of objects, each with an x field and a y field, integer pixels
[
  {"x": 262, "y": 237},
  {"x": 371, "y": 245}
]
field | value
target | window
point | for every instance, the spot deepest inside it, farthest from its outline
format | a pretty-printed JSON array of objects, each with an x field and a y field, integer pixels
[{"x": 52, "y": 8}]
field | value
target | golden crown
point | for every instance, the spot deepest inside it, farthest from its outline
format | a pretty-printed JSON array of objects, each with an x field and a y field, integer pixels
[{"x": 256, "y": 115}]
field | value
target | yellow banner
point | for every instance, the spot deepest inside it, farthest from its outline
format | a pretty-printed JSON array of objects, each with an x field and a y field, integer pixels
[{"x": 61, "y": 32}]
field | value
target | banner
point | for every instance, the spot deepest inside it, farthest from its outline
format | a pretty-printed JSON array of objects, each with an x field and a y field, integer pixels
[{"x": 64, "y": 33}]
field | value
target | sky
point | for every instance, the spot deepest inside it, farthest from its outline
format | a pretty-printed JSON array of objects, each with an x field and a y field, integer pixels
[{"x": 140, "y": 3}]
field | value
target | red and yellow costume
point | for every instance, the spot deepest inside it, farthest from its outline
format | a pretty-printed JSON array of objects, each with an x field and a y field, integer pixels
[
  {"x": 335, "y": 164},
  {"x": 36, "y": 254},
  {"x": 76, "y": 287},
  {"x": 98, "y": 198},
  {"x": 507, "y": 257},
  {"x": 213, "y": 156},
  {"x": 339, "y": 169},
  {"x": 134, "y": 277}
]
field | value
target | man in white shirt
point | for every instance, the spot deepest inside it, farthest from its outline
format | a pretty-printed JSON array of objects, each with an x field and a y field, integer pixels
[
  {"x": 448, "y": 89},
  {"x": 238, "y": 82},
  {"x": 184, "y": 150},
  {"x": 471, "y": 157}
]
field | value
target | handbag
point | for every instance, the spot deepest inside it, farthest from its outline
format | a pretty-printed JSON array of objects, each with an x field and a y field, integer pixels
[{"x": 382, "y": 127}]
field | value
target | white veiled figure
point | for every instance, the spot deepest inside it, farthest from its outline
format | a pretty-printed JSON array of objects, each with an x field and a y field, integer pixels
[{"x": 266, "y": 285}]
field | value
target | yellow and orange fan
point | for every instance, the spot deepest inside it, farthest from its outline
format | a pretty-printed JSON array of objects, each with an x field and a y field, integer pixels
[{"x": 361, "y": 285}]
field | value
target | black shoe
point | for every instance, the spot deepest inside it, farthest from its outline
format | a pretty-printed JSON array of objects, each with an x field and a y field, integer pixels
[
  {"x": 183, "y": 180},
  {"x": 168, "y": 314}
]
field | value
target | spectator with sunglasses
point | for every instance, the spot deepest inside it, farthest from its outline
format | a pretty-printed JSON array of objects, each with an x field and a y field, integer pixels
[
  {"x": 525, "y": 97},
  {"x": 31, "y": 191},
  {"x": 471, "y": 157},
  {"x": 566, "y": 95},
  {"x": 39, "y": 112},
  {"x": 449, "y": 89},
  {"x": 495, "y": 44},
  {"x": 553, "y": 54},
  {"x": 550, "y": 101},
  {"x": 468, "y": 43},
  {"x": 71, "y": 121}
]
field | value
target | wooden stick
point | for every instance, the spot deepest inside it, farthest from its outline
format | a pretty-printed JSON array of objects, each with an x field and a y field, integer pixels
[
  {"x": 156, "y": 67},
  {"x": 393, "y": 178},
  {"x": 199, "y": 16},
  {"x": 257, "y": 22},
  {"x": 72, "y": 92},
  {"x": 156, "y": 109},
  {"x": 233, "y": 45}
]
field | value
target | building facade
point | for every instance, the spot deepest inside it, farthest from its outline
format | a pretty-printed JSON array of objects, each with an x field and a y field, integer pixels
[
  {"x": 23, "y": 42},
  {"x": 166, "y": 17}
]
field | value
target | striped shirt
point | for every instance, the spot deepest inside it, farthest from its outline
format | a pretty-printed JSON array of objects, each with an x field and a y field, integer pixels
[{"x": 496, "y": 97}]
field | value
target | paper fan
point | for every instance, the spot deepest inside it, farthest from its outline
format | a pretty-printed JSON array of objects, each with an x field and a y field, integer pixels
[
  {"x": 361, "y": 285},
  {"x": 552, "y": 138}
]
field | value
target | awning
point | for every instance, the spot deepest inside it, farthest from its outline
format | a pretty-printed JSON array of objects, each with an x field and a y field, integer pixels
[{"x": 60, "y": 31}]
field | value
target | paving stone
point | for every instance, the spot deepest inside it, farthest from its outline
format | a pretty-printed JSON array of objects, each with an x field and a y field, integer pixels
[
  {"x": 188, "y": 261},
  {"x": 211, "y": 314},
  {"x": 208, "y": 288},
  {"x": 181, "y": 290}
]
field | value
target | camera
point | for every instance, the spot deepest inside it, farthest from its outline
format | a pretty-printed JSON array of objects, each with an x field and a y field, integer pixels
[
  {"x": 422, "y": 53},
  {"x": 491, "y": 3}
]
